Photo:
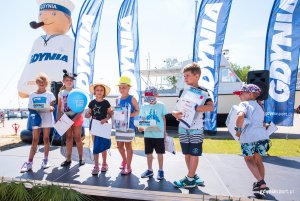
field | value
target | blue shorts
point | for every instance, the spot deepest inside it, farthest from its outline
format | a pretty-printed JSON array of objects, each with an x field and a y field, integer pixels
[
  {"x": 259, "y": 147},
  {"x": 191, "y": 141}
]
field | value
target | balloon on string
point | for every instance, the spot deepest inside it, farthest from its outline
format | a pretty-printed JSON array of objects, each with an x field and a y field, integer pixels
[{"x": 77, "y": 100}]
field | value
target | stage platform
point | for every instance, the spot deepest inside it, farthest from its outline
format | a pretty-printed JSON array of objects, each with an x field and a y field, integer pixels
[{"x": 224, "y": 174}]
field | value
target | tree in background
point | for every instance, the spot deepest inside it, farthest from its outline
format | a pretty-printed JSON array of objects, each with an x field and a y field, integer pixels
[
  {"x": 172, "y": 81},
  {"x": 241, "y": 72}
]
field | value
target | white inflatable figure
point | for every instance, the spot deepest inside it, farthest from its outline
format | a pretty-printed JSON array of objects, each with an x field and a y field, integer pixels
[{"x": 52, "y": 52}]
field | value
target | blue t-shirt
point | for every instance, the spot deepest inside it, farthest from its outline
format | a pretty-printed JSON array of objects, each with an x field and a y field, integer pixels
[
  {"x": 127, "y": 103},
  {"x": 154, "y": 112}
]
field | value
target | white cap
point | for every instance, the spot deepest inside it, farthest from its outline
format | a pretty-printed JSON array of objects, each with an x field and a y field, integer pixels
[{"x": 65, "y": 6}]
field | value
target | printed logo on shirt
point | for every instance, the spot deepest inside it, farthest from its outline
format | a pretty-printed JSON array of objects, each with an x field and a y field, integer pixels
[
  {"x": 153, "y": 115},
  {"x": 97, "y": 110}
]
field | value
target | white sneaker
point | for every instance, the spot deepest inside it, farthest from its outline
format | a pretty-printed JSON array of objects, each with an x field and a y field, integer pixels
[
  {"x": 27, "y": 166},
  {"x": 45, "y": 164}
]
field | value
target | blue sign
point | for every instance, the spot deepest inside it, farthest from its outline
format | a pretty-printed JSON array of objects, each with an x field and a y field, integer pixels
[
  {"x": 85, "y": 43},
  {"x": 208, "y": 43},
  {"x": 281, "y": 59},
  {"x": 128, "y": 45}
]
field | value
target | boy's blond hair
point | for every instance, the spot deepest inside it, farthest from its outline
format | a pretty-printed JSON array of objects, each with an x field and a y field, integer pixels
[
  {"x": 194, "y": 68},
  {"x": 42, "y": 77}
]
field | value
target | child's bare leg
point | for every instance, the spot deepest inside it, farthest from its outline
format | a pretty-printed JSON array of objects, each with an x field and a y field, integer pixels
[
  {"x": 104, "y": 156},
  {"x": 96, "y": 159},
  {"x": 77, "y": 138},
  {"x": 69, "y": 144},
  {"x": 250, "y": 161},
  {"x": 149, "y": 161},
  {"x": 129, "y": 154},
  {"x": 122, "y": 150},
  {"x": 260, "y": 165},
  {"x": 187, "y": 160},
  {"x": 34, "y": 144},
  {"x": 160, "y": 158},
  {"x": 46, "y": 137},
  {"x": 193, "y": 166}
]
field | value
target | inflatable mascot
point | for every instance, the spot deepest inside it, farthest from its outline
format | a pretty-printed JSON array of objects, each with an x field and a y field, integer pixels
[{"x": 52, "y": 52}]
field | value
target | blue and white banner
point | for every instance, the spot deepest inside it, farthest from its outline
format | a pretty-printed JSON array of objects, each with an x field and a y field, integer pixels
[
  {"x": 208, "y": 43},
  {"x": 281, "y": 59},
  {"x": 128, "y": 45},
  {"x": 85, "y": 43}
]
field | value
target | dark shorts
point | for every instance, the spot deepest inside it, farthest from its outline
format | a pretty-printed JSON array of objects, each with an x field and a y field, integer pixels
[
  {"x": 191, "y": 141},
  {"x": 259, "y": 147},
  {"x": 154, "y": 143}
]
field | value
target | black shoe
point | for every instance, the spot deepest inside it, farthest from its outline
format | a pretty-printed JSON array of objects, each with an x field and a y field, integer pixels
[
  {"x": 81, "y": 162},
  {"x": 66, "y": 163}
]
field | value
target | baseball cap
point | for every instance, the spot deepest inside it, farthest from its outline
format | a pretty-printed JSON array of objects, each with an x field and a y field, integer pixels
[
  {"x": 150, "y": 94},
  {"x": 248, "y": 88}
]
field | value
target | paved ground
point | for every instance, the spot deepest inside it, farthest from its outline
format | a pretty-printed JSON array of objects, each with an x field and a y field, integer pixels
[{"x": 223, "y": 174}]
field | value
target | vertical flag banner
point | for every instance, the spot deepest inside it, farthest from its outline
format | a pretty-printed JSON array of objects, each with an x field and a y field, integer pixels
[
  {"x": 281, "y": 59},
  {"x": 128, "y": 45},
  {"x": 85, "y": 43},
  {"x": 208, "y": 43}
]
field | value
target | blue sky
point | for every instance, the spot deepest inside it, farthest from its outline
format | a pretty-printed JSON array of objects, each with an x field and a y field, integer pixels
[{"x": 166, "y": 29}]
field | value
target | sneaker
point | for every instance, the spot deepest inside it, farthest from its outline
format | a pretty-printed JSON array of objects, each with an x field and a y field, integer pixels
[
  {"x": 27, "y": 166},
  {"x": 45, "y": 164},
  {"x": 160, "y": 175},
  {"x": 95, "y": 171},
  {"x": 198, "y": 180},
  {"x": 123, "y": 165},
  {"x": 81, "y": 162},
  {"x": 147, "y": 174},
  {"x": 185, "y": 183},
  {"x": 66, "y": 163}
]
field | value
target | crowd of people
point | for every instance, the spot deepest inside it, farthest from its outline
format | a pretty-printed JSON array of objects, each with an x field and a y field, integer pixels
[{"x": 254, "y": 139}]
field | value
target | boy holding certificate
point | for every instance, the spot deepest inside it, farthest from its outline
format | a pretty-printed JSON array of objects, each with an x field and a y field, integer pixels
[
  {"x": 100, "y": 111},
  {"x": 153, "y": 110},
  {"x": 193, "y": 102}
]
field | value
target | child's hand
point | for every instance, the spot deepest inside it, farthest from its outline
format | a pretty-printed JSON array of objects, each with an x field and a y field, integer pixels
[
  {"x": 238, "y": 133},
  {"x": 88, "y": 114},
  {"x": 103, "y": 121},
  {"x": 51, "y": 108},
  {"x": 178, "y": 115},
  {"x": 141, "y": 129}
]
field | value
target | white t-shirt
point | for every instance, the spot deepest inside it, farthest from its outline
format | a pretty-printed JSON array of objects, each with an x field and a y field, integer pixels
[
  {"x": 39, "y": 101},
  {"x": 255, "y": 131}
]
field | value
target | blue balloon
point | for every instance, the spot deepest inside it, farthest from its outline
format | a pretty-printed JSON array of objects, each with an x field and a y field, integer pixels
[{"x": 77, "y": 100}]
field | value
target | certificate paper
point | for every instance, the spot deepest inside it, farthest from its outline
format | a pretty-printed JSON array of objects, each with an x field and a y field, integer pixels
[
  {"x": 170, "y": 145},
  {"x": 147, "y": 125},
  {"x": 231, "y": 122},
  {"x": 187, "y": 102},
  {"x": 63, "y": 124},
  {"x": 101, "y": 130},
  {"x": 121, "y": 118}
]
